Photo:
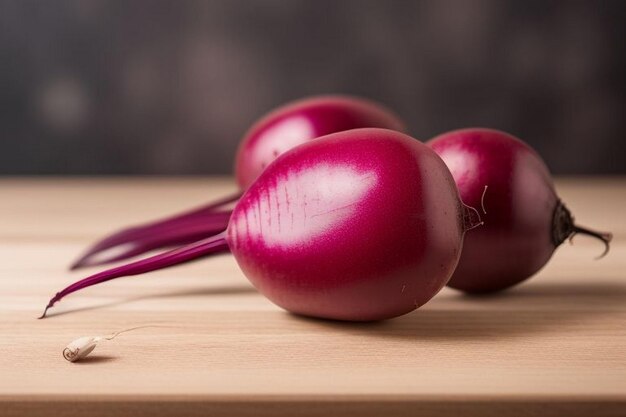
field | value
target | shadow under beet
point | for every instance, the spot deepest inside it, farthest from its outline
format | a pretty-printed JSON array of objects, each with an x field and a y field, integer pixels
[{"x": 516, "y": 313}]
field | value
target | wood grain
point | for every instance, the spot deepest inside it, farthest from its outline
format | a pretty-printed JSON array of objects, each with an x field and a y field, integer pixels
[{"x": 553, "y": 346}]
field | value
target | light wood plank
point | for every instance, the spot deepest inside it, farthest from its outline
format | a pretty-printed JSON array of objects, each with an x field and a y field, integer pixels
[{"x": 553, "y": 346}]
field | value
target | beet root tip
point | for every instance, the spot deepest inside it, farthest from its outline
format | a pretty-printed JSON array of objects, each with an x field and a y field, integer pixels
[{"x": 43, "y": 316}]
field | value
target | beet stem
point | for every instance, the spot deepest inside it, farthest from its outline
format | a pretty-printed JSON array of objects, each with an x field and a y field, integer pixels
[
  {"x": 203, "y": 248},
  {"x": 137, "y": 233},
  {"x": 605, "y": 237},
  {"x": 160, "y": 237},
  {"x": 563, "y": 227}
]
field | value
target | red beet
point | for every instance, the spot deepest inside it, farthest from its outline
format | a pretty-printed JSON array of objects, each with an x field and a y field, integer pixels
[
  {"x": 360, "y": 225},
  {"x": 524, "y": 221},
  {"x": 277, "y": 132}
]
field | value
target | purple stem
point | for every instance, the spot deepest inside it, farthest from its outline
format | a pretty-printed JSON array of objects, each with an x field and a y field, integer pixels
[
  {"x": 183, "y": 233},
  {"x": 177, "y": 237},
  {"x": 203, "y": 248},
  {"x": 138, "y": 234}
]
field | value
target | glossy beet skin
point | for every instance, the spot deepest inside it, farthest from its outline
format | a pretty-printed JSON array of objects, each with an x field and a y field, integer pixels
[
  {"x": 359, "y": 225},
  {"x": 301, "y": 121},
  {"x": 277, "y": 132},
  {"x": 524, "y": 219}
]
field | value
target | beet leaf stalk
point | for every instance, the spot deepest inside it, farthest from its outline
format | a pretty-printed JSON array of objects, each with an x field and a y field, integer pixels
[
  {"x": 177, "y": 230},
  {"x": 210, "y": 246}
]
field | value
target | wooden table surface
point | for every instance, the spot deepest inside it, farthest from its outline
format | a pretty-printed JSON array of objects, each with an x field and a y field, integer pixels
[{"x": 555, "y": 345}]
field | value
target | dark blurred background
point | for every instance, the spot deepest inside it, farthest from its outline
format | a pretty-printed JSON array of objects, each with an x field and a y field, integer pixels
[{"x": 169, "y": 87}]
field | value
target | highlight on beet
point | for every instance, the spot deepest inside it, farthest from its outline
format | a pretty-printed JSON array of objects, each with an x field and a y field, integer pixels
[
  {"x": 360, "y": 225},
  {"x": 525, "y": 221},
  {"x": 282, "y": 129}
]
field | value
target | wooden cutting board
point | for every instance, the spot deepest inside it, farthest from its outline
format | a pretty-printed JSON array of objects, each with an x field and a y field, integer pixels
[{"x": 555, "y": 345}]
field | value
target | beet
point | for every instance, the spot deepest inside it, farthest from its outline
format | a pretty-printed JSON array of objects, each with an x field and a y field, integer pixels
[{"x": 525, "y": 221}]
